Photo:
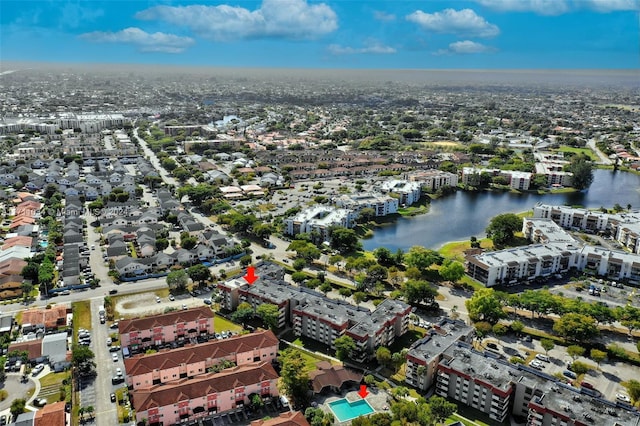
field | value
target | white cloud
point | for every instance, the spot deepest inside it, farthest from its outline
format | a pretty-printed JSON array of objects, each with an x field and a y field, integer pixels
[
  {"x": 145, "y": 42},
  {"x": 605, "y": 6},
  {"x": 558, "y": 7},
  {"x": 383, "y": 16},
  {"x": 371, "y": 46},
  {"x": 290, "y": 19},
  {"x": 450, "y": 21},
  {"x": 466, "y": 47}
]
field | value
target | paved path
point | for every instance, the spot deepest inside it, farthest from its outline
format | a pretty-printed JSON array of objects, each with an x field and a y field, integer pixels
[{"x": 591, "y": 143}]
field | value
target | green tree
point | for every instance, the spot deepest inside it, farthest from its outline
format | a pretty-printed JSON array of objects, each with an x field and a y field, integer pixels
[
  {"x": 383, "y": 355},
  {"x": 633, "y": 388},
  {"x": 344, "y": 346},
  {"x": 451, "y": 270},
  {"x": 383, "y": 256},
  {"x": 580, "y": 367},
  {"x": 243, "y": 312},
  {"x": 575, "y": 351},
  {"x": 82, "y": 359},
  {"x": 517, "y": 327},
  {"x": 582, "y": 170},
  {"x": 485, "y": 305},
  {"x": 359, "y": 297},
  {"x": 294, "y": 377},
  {"x": 547, "y": 345},
  {"x": 576, "y": 327},
  {"x": 17, "y": 407},
  {"x": 502, "y": 227},
  {"x": 422, "y": 258},
  {"x": 199, "y": 273},
  {"x": 177, "y": 280},
  {"x": 598, "y": 356},
  {"x": 269, "y": 314},
  {"x": 419, "y": 292},
  {"x": 344, "y": 240},
  {"x": 441, "y": 409}
]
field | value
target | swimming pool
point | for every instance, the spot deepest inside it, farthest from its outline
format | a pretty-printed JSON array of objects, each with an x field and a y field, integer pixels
[
  {"x": 345, "y": 410},
  {"x": 44, "y": 244}
]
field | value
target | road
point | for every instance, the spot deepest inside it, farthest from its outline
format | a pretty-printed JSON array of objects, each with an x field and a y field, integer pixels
[{"x": 591, "y": 143}]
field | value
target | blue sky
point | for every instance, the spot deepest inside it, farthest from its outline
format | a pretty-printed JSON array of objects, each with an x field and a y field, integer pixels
[{"x": 427, "y": 34}]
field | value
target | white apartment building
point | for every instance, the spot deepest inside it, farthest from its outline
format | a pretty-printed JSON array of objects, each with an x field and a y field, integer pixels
[
  {"x": 517, "y": 179},
  {"x": 382, "y": 205},
  {"x": 320, "y": 219},
  {"x": 432, "y": 180},
  {"x": 554, "y": 251},
  {"x": 408, "y": 192}
]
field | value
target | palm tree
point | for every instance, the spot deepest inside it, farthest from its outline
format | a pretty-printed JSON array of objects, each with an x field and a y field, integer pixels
[{"x": 90, "y": 411}]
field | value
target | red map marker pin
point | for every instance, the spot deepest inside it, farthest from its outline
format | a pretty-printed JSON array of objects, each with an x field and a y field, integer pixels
[{"x": 250, "y": 277}]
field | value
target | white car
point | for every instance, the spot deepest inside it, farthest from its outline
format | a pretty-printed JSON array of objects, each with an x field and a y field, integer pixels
[
  {"x": 622, "y": 397},
  {"x": 536, "y": 364},
  {"x": 542, "y": 358},
  {"x": 114, "y": 357}
]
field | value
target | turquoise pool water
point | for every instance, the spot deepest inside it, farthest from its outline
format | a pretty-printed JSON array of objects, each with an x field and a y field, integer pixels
[
  {"x": 44, "y": 244},
  {"x": 345, "y": 410}
]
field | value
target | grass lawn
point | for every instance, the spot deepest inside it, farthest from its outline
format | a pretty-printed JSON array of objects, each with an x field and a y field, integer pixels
[
  {"x": 81, "y": 315},
  {"x": 221, "y": 323},
  {"x": 455, "y": 249},
  {"x": 53, "y": 378},
  {"x": 457, "y": 418},
  {"x": 121, "y": 409},
  {"x": 585, "y": 151},
  {"x": 310, "y": 360}
]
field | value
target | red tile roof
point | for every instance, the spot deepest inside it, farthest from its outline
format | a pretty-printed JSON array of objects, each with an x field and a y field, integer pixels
[
  {"x": 215, "y": 349},
  {"x": 290, "y": 418},
  {"x": 331, "y": 375},
  {"x": 174, "y": 317},
  {"x": 183, "y": 390},
  {"x": 12, "y": 266},
  {"x": 51, "y": 415},
  {"x": 52, "y": 317},
  {"x": 33, "y": 348}
]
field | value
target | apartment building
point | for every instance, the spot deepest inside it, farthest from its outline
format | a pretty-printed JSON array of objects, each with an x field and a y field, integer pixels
[
  {"x": 624, "y": 227},
  {"x": 382, "y": 205},
  {"x": 191, "y": 399},
  {"x": 517, "y": 179},
  {"x": 425, "y": 354},
  {"x": 556, "y": 176},
  {"x": 316, "y": 316},
  {"x": 432, "y": 180},
  {"x": 498, "y": 388},
  {"x": 380, "y": 328},
  {"x": 320, "y": 219},
  {"x": 140, "y": 333},
  {"x": 146, "y": 370},
  {"x": 408, "y": 192},
  {"x": 472, "y": 379}
]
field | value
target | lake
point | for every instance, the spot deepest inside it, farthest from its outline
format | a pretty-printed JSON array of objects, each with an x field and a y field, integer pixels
[{"x": 462, "y": 215}]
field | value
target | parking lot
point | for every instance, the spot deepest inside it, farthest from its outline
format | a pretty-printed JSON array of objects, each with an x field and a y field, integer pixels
[{"x": 605, "y": 379}]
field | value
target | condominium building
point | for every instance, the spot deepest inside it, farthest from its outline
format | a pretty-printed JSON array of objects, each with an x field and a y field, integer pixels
[
  {"x": 146, "y": 370},
  {"x": 320, "y": 219},
  {"x": 177, "y": 326},
  {"x": 517, "y": 179},
  {"x": 556, "y": 176},
  {"x": 498, "y": 388},
  {"x": 321, "y": 318},
  {"x": 382, "y": 205},
  {"x": 432, "y": 180},
  {"x": 425, "y": 354},
  {"x": 408, "y": 192},
  {"x": 191, "y": 399}
]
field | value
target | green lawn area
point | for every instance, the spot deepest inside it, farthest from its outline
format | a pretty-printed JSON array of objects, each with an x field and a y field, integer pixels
[
  {"x": 585, "y": 151},
  {"x": 455, "y": 249},
  {"x": 81, "y": 315},
  {"x": 221, "y": 323},
  {"x": 310, "y": 360},
  {"x": 53, "y": 379}
]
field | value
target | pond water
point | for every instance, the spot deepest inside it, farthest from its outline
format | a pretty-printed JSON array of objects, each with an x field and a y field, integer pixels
[{"x": 464, "y": 214}]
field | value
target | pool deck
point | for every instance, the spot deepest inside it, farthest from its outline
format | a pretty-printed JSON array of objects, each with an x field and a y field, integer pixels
[{"x": 377, "y": 398}]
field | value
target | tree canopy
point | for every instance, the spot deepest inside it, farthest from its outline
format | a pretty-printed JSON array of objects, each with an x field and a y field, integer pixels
[
  {"x": 502, "y": 227},
  {"x": 485, "y": 305}
]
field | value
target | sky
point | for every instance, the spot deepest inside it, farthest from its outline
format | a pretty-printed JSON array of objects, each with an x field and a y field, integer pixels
[{"x": 396, "y": 34}]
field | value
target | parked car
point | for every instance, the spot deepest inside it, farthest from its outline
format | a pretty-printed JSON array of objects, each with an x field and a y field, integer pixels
[
  {"x": 158, "y": 300},
  {"x": 116, "y": 380},
  {"x": 492, "y": 345},
  {"x": 570, "y": 374},
  {"x": 114, "y": 326},
  {"x": 114, "y": 357},
  {"x": 536, "y": 364},
  {"x": 184, "y": 307},
  {"x": 40, "y": 402},
  {"x": 114, "y": 348},
  {"x": 587, "y": 385},
  {"x": 207, "y": 301},
  {"x": 37, "y": 370},
  {"x": 113, "y": 397},
  {"x": 622, "y": 397},
  {"x": 113, "y": 291},
  {"x": 172, "y": 297},
  {"x": 3, "y": 420},
  {"x": 543, "y": 358}
]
